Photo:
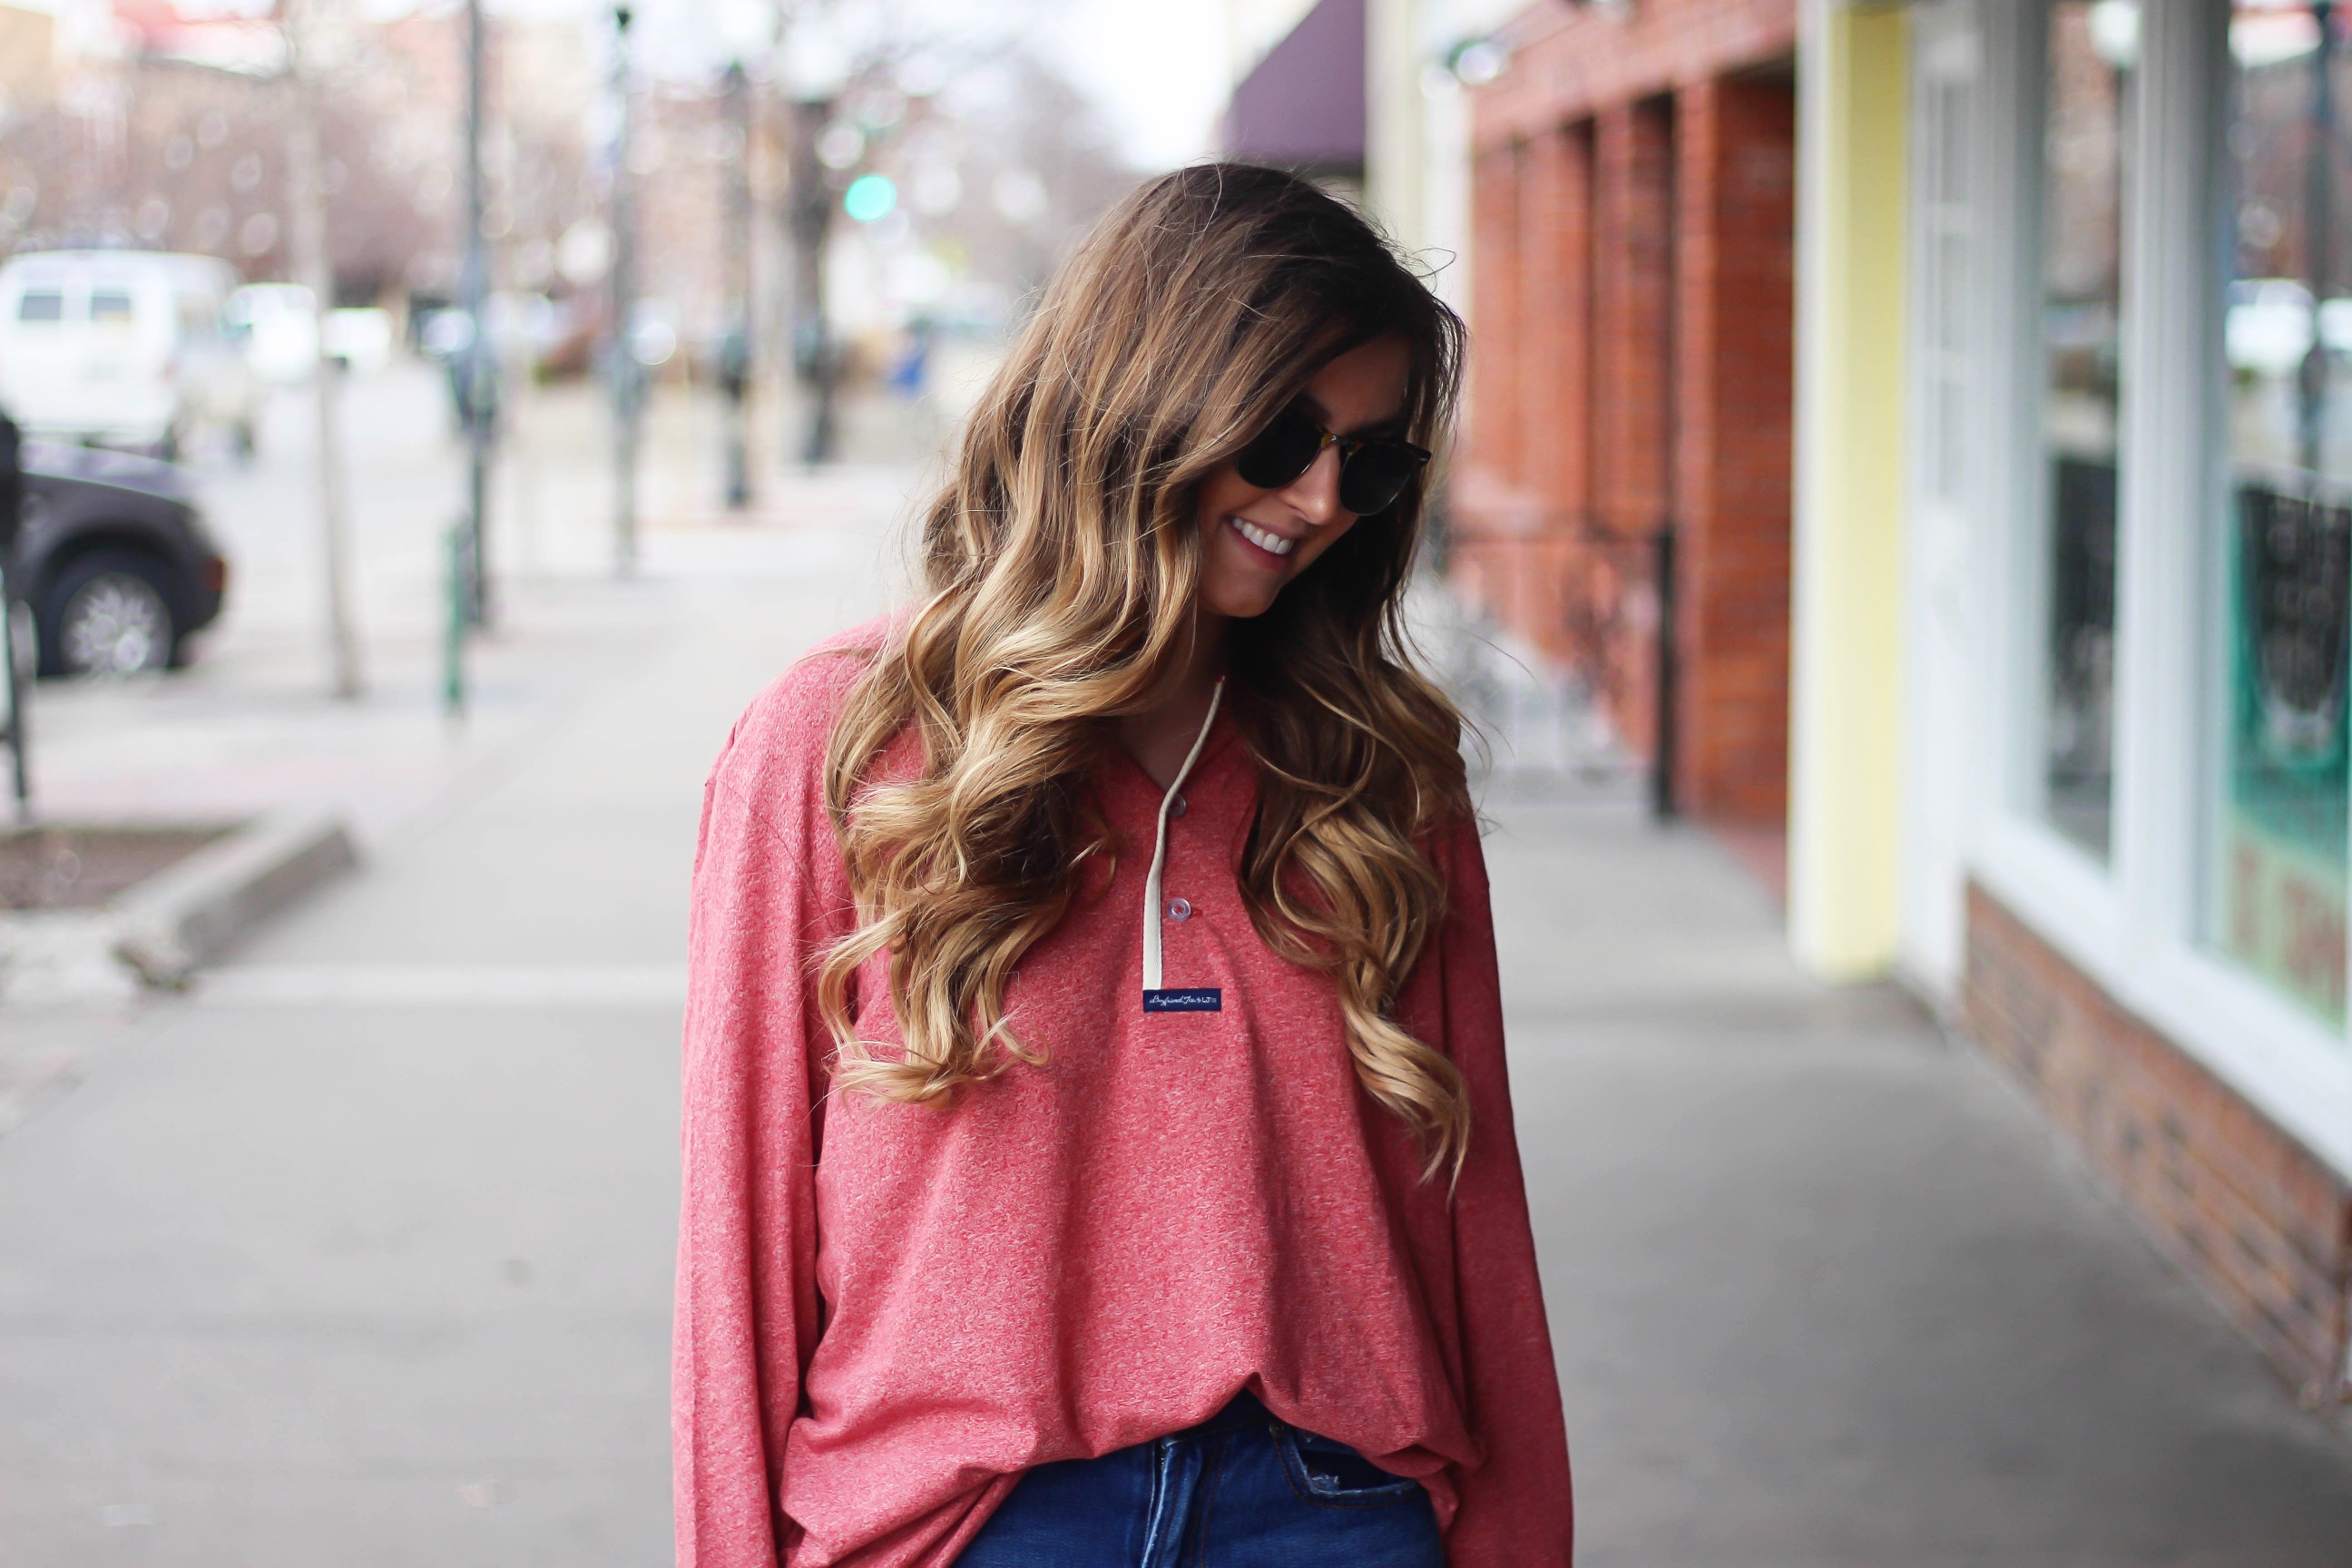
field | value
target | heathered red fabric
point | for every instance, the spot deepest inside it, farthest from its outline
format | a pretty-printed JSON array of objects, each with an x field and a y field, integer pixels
[{"x": 885, "y": 1312}]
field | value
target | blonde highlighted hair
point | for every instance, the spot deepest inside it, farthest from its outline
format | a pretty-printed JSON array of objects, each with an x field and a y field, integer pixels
[{"x": 1060, "y": 565}]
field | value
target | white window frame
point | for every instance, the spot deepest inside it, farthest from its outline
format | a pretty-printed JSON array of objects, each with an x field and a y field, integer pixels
[
  {"x": 2015, "y": 850},
  {"x": 1946, "y": 252},
  {"x": 2132, "y": 925}
]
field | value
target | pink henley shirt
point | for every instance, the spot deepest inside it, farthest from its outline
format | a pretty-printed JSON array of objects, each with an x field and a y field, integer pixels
[{"x": 885, "y": 1312}]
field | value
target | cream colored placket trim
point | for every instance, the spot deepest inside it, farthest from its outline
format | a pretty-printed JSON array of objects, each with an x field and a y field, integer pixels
[{"x": 1153, "y": 914}]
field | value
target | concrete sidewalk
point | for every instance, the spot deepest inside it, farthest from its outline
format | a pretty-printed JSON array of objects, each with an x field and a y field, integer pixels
[{"x": 1825, "y": 1291}]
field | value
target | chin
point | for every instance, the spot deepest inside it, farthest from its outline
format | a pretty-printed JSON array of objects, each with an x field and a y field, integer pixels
[{"x": 1238, "y": 606}]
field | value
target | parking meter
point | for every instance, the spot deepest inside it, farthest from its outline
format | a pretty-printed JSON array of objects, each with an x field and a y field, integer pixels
[
  {"x": 12, "y": 488},
  {"x": 735, "y": 364},
  {"x": 12, "y": 523}
]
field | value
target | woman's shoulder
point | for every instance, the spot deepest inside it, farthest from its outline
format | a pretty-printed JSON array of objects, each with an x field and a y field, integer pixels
[
  {"x": 809, "y": 692},
  {"x": 785, "y": 729},
  {"x": 1453, "y": 840}
]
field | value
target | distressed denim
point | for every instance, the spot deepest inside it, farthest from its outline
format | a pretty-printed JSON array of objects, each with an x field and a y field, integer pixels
[{"x": 1241, "y": 1489}]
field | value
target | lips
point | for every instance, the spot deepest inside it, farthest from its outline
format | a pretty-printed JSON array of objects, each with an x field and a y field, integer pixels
[{"x": 1273, "y": 544}]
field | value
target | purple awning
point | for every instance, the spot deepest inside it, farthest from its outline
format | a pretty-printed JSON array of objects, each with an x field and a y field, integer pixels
[{"x": 1303, "y": 106}]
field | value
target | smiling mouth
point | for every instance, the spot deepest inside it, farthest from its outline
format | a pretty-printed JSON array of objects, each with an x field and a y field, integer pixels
[{"x": 1271, "y": 542}]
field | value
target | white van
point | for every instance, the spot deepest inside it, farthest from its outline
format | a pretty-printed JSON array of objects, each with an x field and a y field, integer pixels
[{"x": 122, "y": 348}]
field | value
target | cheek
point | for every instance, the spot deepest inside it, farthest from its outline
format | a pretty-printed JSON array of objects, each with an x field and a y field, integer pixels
[{"x": 1222, "y": 493}]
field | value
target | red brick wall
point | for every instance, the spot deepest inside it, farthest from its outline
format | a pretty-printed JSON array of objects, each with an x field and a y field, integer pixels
[
  {"x": 1554, "y": 415},
  {"x": 1735, "y": 147},
  {"x": 2258, "y": 1219},
  {"x": 1571, "y": 62},
  {"x": 1630, "y": 322},
  {"x": 1505, "y": 550},
  {"x": 1490, "y": 424},
  {"x": 1556, "y": 242},
  {"x": 1633, "y": 296},
  {"x": 1631, "y": 305}
]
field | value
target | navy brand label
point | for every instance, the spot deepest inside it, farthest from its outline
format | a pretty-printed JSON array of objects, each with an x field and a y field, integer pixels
[{"x": 1199, "y": 999}]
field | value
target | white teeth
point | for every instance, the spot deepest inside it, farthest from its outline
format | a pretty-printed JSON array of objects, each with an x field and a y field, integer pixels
[{"x": 1258, "y": 536}]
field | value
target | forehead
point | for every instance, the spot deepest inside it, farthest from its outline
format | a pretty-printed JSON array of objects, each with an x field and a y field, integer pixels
[{"x": 1363, "y": 388}]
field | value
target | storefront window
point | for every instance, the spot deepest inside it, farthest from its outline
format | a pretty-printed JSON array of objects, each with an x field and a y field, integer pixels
[
  {"x": 2279, "y": 825},
  {"x": 2091, "y": 45}
]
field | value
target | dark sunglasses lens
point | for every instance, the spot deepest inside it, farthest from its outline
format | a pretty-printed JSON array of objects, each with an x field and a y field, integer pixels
[
  {"x": 1280, "y": 453},
  {"x": 1375, "y": 476}
]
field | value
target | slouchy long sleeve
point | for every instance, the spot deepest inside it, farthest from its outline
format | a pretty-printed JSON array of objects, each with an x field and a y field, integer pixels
[
  {"x": 769, "y": 894},
  {"x": 886, "y": 1312},
  {"x": 1515, "y": 1507}
]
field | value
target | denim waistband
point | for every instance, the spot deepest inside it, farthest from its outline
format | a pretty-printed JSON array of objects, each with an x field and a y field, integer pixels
[{"x": 1242, "y": 1410}]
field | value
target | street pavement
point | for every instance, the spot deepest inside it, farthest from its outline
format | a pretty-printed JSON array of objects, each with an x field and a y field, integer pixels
[
  {"x": 1825, "y": 1291},
  {"x": 361, "y": 1253}
]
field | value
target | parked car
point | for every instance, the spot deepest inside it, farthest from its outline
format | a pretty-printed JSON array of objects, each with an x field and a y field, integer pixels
[
  {"x": 115, "y": 559},
  {"x": 122, "y": 348}
]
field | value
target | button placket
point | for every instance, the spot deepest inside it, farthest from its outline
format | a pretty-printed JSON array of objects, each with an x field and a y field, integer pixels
[
  {"x": 1176, "y": 908},
  {"x": 1160, "y": 909}
]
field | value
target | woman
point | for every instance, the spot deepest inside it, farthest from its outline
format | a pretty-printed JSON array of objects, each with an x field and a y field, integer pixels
[{"x": 1098, "y": 1148}]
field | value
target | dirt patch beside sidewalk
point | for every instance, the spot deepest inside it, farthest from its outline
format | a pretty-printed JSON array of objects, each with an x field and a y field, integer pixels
[{"x": 83, "y": 867}]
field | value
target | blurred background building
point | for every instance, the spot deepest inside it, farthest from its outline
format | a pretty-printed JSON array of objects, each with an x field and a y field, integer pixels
[
  {"x": 158, "y": 126},
  {"x": 1923, "y": 429}
]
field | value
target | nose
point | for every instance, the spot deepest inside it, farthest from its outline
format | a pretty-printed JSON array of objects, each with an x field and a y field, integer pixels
[{"x": 1314, "y": 494}]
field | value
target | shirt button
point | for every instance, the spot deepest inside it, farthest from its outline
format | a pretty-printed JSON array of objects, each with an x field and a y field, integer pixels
[
  {"x": 1179, "y": 908},
  {"x": 1178, "y": 806}
]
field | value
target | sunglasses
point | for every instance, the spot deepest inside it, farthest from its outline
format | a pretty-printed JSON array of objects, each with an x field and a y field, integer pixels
[{"x": 1374, "y": 470}]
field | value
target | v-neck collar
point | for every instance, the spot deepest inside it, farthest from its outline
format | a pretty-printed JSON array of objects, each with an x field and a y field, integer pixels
[{"x": 1222, "y": 736}]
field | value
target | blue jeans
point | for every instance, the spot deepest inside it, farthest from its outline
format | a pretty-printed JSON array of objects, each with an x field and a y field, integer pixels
[{"x": 1241, "y": 1489}]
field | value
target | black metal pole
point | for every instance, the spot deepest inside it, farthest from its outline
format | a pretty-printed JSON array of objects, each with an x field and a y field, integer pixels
[
  {"x": 12, "y": 516},
  {"x": 480, "y": 373},
  {"x": 1661, "y": 766},
  {"x": 2319, "y": 221},
  {"x": 622, "y": 357},
  {"x": 736, "y": 359},
  {"x": 813, "y": 351},
  {"x": 19, "y": 698}
]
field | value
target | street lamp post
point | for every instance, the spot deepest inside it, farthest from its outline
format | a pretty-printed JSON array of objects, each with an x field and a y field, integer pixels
[
  {"x": 314, "y": 266},
  {"x": 735, "y": 360},
  {"x": 811, "y": 210},
  {"x": 815, "y": 70},
  {"x": 626, "y": 382},
  {"x": 479, "y": 361}
]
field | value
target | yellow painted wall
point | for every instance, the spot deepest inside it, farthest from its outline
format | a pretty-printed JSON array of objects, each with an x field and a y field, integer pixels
[
  {"x": 27, "y": 56},
  {"x": 1846, "y": 686}
]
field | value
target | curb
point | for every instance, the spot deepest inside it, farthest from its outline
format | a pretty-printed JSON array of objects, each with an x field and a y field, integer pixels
[{"x": 181, "y": 919}]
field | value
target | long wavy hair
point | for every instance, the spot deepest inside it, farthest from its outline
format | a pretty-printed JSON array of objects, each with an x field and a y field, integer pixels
[{"x": 1060, "y": 563}]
